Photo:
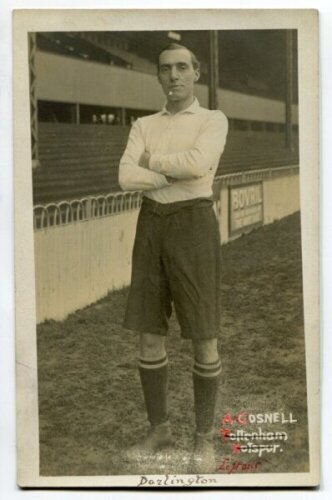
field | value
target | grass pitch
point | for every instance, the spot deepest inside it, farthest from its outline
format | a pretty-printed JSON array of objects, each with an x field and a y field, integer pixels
[{"x": 90, "y": 401}]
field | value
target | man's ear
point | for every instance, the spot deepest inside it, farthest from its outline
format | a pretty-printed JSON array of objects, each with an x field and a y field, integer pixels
[{"x": 197, "y": 74}]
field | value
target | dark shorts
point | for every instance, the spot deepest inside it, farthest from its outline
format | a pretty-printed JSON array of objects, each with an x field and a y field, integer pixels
[{"x": 176, "y": 259}]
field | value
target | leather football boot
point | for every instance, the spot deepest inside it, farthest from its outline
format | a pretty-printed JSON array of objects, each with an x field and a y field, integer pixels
[
  {"x": 158, "y": 437},
  {"x": 203, "y": 459}
]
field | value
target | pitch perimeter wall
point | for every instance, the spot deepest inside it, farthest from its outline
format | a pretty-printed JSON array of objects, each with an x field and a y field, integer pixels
[{"x": 83, "y": 247}]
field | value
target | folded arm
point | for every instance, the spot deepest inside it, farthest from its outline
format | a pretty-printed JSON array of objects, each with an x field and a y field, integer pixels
[
  {"x": 132, "y": 176},
  {"x": 197, "y": 161}
]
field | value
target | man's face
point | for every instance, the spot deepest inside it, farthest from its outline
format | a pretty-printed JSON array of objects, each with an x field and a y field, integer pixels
[{"x": 177, "y": 75}]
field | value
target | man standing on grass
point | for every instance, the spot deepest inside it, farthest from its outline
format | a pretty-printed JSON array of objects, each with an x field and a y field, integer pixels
[{"x": 172, "y": 156}]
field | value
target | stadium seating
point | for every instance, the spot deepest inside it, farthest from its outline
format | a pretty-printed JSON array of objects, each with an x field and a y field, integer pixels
[{"x": 82, "y": 160}]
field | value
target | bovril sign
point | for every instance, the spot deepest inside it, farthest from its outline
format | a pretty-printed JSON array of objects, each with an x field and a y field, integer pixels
[{"x": 246, "y": 207}]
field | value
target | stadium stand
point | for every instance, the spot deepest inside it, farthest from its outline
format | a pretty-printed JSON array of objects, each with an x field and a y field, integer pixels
[{"x": 81, "y": 159}]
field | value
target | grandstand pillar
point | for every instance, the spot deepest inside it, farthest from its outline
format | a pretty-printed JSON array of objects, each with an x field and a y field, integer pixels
[
  {"x": 77, "y": 114},
  {"x": 33, "y": 101},
  {"x": 213, "y": 69},
  {"x": 289, "y": 89},
  {"x": 123, "y": 117}
]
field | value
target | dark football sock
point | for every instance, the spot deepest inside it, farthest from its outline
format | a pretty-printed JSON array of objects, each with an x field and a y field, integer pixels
[
  {"x": 154, "y": 380},
  {"x": 206, "y": 382}
]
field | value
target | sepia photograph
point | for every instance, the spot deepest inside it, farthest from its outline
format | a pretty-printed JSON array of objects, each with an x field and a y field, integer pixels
[{"x": 170, "y": 255}]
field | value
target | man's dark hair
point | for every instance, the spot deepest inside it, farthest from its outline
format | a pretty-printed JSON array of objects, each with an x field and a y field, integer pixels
[{"x": 177, "y": 46}]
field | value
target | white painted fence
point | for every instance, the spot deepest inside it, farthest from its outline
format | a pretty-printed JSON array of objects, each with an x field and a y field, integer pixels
[{"x": 83, "y": 248}]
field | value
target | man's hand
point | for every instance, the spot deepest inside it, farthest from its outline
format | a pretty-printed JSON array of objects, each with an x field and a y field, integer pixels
[
  {"x": 144, "y": 163},
  {"x": 171, "y": 180},
  {"x": 144, "y": 160}
]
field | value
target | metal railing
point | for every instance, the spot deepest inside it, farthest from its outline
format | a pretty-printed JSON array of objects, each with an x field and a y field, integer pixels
[{"x": 91, "y": 207}]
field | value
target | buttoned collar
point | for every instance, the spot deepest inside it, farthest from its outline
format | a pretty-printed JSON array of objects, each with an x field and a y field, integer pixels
[{"x": 193, "y": 108}]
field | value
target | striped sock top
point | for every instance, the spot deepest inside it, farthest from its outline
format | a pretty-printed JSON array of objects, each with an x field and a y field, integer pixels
[
  {"x": 152, "y": 364},
  {"x": 207, "y": 369}
]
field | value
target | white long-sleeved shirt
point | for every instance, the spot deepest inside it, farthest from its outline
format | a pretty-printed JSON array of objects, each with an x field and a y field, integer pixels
[{"x": 185, "y": 146}]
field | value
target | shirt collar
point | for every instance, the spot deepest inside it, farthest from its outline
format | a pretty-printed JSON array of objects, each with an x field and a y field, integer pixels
[{"x": 193, "y": 108}]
